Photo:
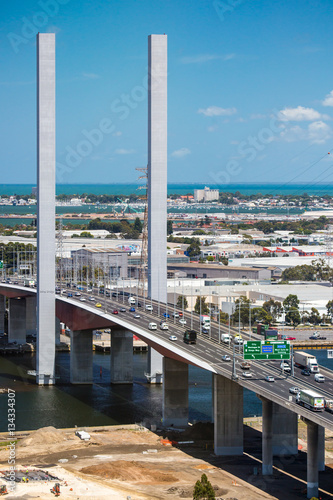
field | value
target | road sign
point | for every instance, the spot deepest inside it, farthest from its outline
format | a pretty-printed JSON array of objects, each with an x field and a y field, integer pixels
[
  {"x": 1, "y": 264},
  {"x": 266, "y": 349},
  {"x": 330, "y": 353}
]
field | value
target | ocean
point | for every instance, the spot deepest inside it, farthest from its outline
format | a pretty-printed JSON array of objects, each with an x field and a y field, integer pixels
[{"x": 174, "y": 188}]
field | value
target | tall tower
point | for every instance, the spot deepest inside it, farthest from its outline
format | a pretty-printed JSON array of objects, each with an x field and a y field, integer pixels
[
  {"x": 157, "y": 167},
  {"x": 45, "y": 208}
]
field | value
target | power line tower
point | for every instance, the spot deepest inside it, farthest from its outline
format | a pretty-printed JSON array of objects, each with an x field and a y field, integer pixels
[{"x": 144, "y": 246}]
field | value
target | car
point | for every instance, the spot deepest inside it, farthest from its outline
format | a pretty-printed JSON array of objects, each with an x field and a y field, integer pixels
[
  {"x": 225, "y": 357},
  {"x": 132, "y": 309},
  {"x": 285, "y": 367},
  {"x": 182, "y": 321},
  {"x": 290, "y": 338},
  {"x": 92, "y": 299},
  {"x": 245, "y": 365},
  {"x": 164, "y": 326},
  {"x": 175, "y": 315},
  {"x": 98, "y": 304},
  {"x": 248, "y": 375},
  {"x": 149, "y": 307},
  {"x": 122, "y": 310},
  {"x": 139, "y": 304},
  {"x": 57, "y": 291},
  {"x": 166, "y": 315},
  {"x": 69, "y": 295},
  {"x": 294, "y": 390},
  {"x": 136, "y": 316},
  {"x": 306, "y": 372},
  {"x": 89, "y": 290},
  {"x": 269, "y": 378},
  {"x": 204, "y": 329},
  {"x": 319, "y": 377},
  {"x": 173, "y": 337},
  {"x": 77, "y": 294},
  {"x": 82, "y": 299},
  {"x": 115, "y": 311},
  {"x": 180, "y": 314}
]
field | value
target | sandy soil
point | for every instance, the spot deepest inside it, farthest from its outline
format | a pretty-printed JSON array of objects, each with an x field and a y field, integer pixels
[{"x": 126, "y": 462}]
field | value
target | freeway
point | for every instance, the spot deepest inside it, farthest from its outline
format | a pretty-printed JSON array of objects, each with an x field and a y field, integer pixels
[{"x": 206, "y": 353}]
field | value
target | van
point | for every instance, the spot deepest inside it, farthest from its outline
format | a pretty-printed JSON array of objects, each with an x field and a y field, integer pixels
[
  {"x": 285, "y": 366},
  {"x": 152, "y": 326},
  {"x": 131, "y": 300},
  {"x": 149, "y": 307},
  {"x": 226, "y": 338}
]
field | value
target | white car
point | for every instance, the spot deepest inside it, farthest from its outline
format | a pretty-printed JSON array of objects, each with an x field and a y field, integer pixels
[
  {"x": 92, "y": 299},
  {"x": 269, "y": 378},
  {"x": 164, "y": 326},
  {"x": 175, "y": 315},
  {"x": 247, "y": 374},
  {"x": 182, "y": 321},
  {"x": 172, "y": 337},
  {"x": 149, "y": 307},
  {"x": 82, "y": 299},
  {"x": 319, "y": 377},
  {"x": 225, "y": 357}
]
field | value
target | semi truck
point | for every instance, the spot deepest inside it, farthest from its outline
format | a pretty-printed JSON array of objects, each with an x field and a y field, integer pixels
[
  {"x": 30, "y": 283},
  {"x": 271, "y": 334},
  {"x": 305, "y": 360},
  {"x": 205, "y": 320},
  {"x": 329, "y": 405},
  {"x": 190, "y": 337},
  {"x": 311, "y": 400}
]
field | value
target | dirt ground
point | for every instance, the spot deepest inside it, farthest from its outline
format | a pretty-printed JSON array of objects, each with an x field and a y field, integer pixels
[{"x": 133, "y": 463}]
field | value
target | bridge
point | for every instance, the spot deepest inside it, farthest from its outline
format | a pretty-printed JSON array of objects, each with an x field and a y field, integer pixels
[{"x": 280, "y": 410}]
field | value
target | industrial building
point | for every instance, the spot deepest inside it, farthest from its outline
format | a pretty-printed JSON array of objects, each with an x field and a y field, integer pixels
[{"x": 206, "y": 194}]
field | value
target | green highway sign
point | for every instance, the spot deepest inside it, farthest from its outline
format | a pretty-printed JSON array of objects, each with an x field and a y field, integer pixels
[
  {"x": 266, "y": 349},
  {"x": 1, "y": 264}
]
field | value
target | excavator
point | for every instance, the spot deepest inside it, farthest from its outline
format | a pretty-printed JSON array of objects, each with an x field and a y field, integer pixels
[
  {"x": 56, "y": 490},
  {"x": 3, "y": 490}
]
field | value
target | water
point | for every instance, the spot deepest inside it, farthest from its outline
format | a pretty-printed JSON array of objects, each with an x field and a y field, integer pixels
[
  {"x": 175, "y": 188},
  {"x": 66, "y": 405}
]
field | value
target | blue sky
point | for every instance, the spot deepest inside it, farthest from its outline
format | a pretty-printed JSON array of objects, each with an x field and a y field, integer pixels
[{"x": 250, "y": 88}]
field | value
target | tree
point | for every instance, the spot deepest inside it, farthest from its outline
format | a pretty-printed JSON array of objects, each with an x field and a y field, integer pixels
[
  {"x": 224, "y": 317},
  {"x": 203, "y": 490},
  {"x": 242, "y": 310},
  {"x": 194, "y": 248},
  {"x": 291, "y": 302},
  {"x": 169, "y": 227},
  {"x": 314, "y": 317},
  {"x": 137, "y": 225},
  {"x": 329, "y": 307},
  {"x": 204, "y": 307},
  {"x": 293, "y": 316},
  {"x": 182, "y": 302},
  {"x": 273, "y": 307},
  {"x": 260, "y": 315}
]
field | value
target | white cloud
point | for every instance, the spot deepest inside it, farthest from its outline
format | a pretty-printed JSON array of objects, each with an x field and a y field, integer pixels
[
  {"x": 317, "y": 132},
  {"x": 180, "y": 153},
  {"x": 257, "y": 116},
  {"x": 328, "y": 101},
  {"x": 300, "y": 114},
  {"x": 217, "y": 111},
  {"x": 203, "y": 58},
  {"x": 124, "y": 151}
]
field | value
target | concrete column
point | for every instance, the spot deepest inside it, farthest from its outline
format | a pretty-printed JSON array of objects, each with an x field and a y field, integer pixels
[
  {"x": 57, "y": 331},
  {"x": 312, "y": 459},
  {"x": 175, "y": 393},
  {"x": 2, "y": 313},
  {"x": 45, "y": 363},
  {"x": 31, "y": 315},
  {"x": 17, "y": 321},
  {"x": 285, "y": 431},
  {"x": 267, "y": 437},
  {"x": 154, "y": 366},
  {"x": 228, "y": 417},
  {"x": 81, "y": 362},
  {"x": 121, "y": 368},
  {"x": 321, "y": 448}
]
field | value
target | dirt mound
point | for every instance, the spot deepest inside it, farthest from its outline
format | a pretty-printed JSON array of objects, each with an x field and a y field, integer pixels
[
  {"x": 43, "y": 436},
  {"x": 123, "y": 470}
]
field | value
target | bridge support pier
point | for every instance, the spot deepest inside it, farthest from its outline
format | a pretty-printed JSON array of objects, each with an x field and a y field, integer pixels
[
  {"x": 57, "y": 330},
  {"x": 121, "y": 368},
  {"x": 228, "y": 417},
  {"x": 312, "y": 459},
  {"x": 81, "y": 361},
  {"x": 17, "y": 321},
  {"x": 267, "y": 437},
  {"x": 285, "y": 431},
  {"x": 175, "y": 393},
  {"x": 31, "y": 315},
  {"x": 154, "y": 366},
  {"x": 2, "y": 313},
  {"x": 321, "y": 448}
]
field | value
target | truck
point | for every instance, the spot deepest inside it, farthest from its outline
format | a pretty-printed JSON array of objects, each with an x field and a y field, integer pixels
[
  {"x": 310, "y": 399},
  {"x": 329, "y": 405},
  {"x": 238, "y": 340},
  {"x": 30, "y": 283},
  {"x": 306, "y": 360},
  {"x": 260, "y": 329},
  {"x": 271, "y": 334},
  {"x": 205, "y": 320},
  {"x": 190, "y": 337},
  {"x": 225, "y": 338}
]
